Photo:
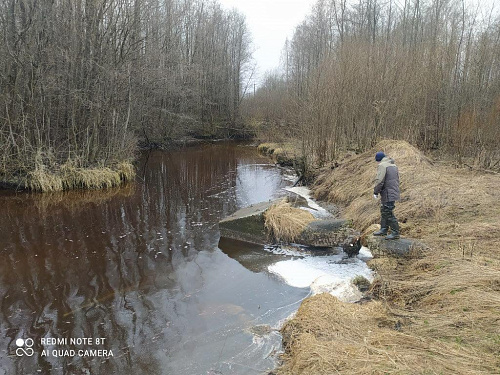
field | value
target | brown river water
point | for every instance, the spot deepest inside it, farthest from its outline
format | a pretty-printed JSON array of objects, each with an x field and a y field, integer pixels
[{"x": 132, "y": 281}]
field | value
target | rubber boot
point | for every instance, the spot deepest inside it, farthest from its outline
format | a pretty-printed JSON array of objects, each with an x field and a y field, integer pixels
[
  {"x": 380, "y": 232},
  {"x": 393, "y": 236},
  {"x": 393, "y": 224}
]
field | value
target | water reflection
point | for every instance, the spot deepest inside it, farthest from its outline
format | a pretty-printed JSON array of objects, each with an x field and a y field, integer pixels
[
  {"x": 251, "y": 256},
  {"x": 139, "y": 267}
]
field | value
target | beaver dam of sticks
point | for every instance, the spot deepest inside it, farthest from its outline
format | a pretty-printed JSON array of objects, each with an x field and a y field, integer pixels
[{"x": 431, "y": 312}]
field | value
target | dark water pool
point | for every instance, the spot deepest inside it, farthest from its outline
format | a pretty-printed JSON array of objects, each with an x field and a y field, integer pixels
[{"x": 137, "y": 272}]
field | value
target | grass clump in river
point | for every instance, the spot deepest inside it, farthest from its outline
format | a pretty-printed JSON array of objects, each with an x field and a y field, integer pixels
[
  {"x": 68, "y": 177},
  {"x": 287, "y": 154},
  {"x": 286, "y": 223},
  {"x": 434, "y": 312}
]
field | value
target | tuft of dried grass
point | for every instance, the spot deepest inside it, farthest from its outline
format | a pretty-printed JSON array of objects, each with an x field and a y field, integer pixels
[
  {"x": 126, "y": 171},
  {"x": 280, "y": 151},
  {"x": 43, "y": 181},
  {"x": 70, "y": 177},
  {"x": 285, "y": 222},
  {"x": 83, "y": 178},
  {"x": 267, "y": 148}
]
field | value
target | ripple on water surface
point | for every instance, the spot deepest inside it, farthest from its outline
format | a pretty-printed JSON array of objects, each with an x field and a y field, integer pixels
[{"x": 139, "y": 266}]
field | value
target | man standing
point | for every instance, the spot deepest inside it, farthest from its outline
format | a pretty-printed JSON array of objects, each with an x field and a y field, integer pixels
[{"x": 387, "y": 185}]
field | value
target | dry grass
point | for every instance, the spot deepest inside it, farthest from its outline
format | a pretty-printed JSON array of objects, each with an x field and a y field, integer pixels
[
  {"x": 445, "y": 303},
  {"x": 267, "y": 148},
  {"x": 331, "y": 337},
  {"x": 285, "y": 222},
  {"x": 43, "y": 181},
  {"x": 436, "y": 200},
  {"x": 282, "y": 153},
  {"x": 70, "y": 177},
  {"x": 126, "y": 171}
]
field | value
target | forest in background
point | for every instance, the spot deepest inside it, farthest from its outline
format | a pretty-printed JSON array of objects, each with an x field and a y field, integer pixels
[
  {"x": 83, "y": 80},
  {"x": 425, "y": 71}
]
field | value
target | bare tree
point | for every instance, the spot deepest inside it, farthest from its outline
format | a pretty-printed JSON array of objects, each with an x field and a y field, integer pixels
[
  {"x": 427, "y": 72},
  {"x": 82, "y": 80}
]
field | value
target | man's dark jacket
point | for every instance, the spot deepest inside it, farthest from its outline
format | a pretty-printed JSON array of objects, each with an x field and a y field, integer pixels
[{"x": 387, "y": 181}]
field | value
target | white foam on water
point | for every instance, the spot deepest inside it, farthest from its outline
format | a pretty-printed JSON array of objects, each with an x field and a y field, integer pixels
[
  {"x": 326, "y": 274},
  {"x": 323, "y": 274},
  {"x": 314, "y": 207}
]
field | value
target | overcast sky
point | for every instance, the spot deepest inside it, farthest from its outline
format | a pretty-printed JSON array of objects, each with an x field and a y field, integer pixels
[{"x": 272, "y": 21}]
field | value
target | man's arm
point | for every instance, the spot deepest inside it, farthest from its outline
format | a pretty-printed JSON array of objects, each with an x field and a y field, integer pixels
[{"x": 379, "y": 180}]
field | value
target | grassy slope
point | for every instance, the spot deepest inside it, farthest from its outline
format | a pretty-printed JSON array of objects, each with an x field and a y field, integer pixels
[{"x": 435, "y": 313}]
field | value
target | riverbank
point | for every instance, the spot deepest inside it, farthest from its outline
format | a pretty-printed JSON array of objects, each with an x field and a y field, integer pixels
[
  {"x": 52, "y": 176},
  {"x": 189, "y": 141},
  {"x": 433, "y": 312}
]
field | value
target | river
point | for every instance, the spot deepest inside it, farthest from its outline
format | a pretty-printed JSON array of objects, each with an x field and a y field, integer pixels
[{"x": 132, "y": 280}]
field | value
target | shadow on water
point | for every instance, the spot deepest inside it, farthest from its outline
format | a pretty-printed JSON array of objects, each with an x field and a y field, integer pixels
[{"x": 139, "y": 267}]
